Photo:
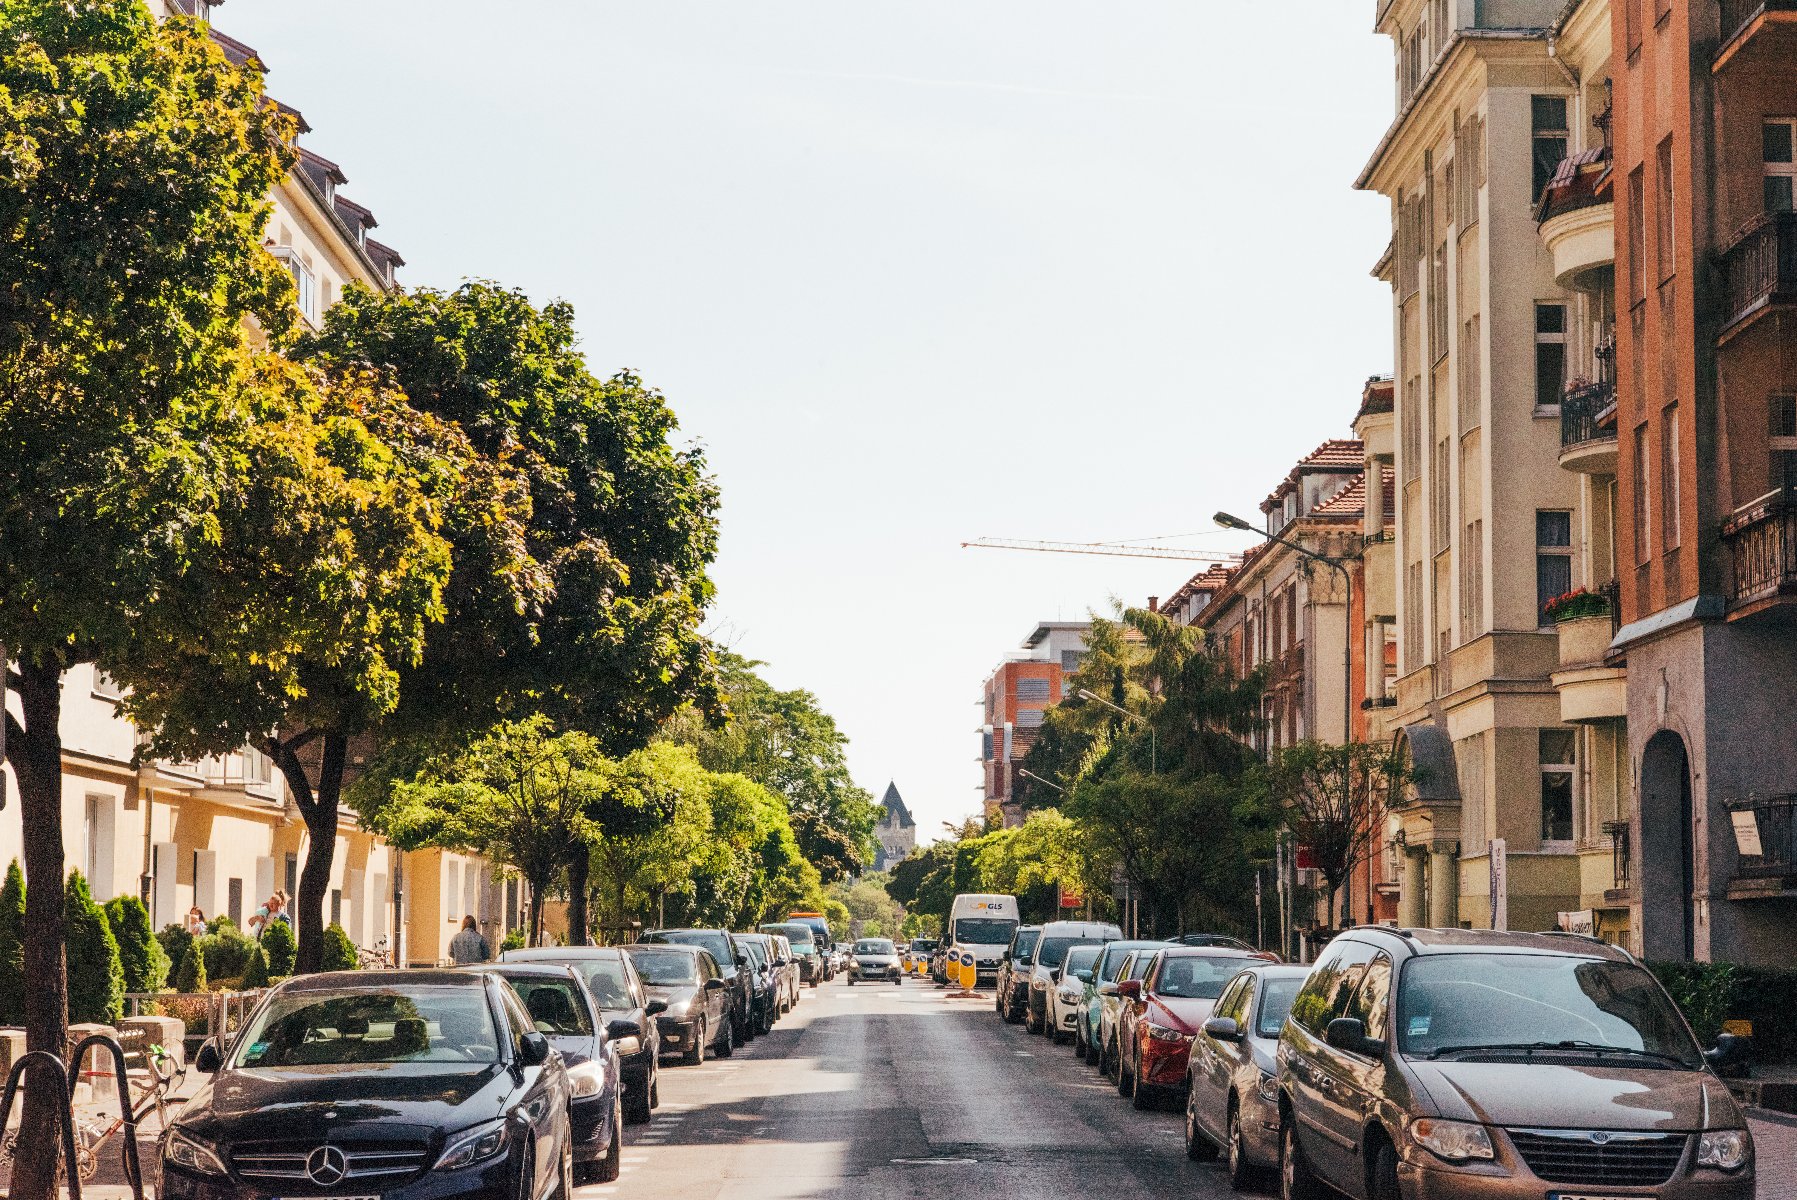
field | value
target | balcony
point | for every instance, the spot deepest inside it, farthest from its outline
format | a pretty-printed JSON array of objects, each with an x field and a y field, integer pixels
[
  {"x": 1762, "y": 550},
  {"x": 1757, "y": 32},
  {"x": 1588, "y": 428},
  {"x": 1759, "y": 270},
  {"x": 1590, "y": 688},
  {"x": 1765, "y": 846},
  {"x": 1621, "y": 863}
]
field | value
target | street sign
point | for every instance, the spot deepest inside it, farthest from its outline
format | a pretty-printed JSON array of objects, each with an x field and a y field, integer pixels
[{"x": 1071, "y": 899}]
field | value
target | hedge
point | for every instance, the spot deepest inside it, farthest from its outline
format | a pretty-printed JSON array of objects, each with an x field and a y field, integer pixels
[
  {"x": 96, "y": 978},
  {"x": 176, "y": 942},
  {"x": 257, "y": 975},
  {"x": 140, "y": 954},
  {"x": 280, "y": 945},
  {"x": 190, "y": 976},
  {"x": 227, "y": 952},
  {"x": 1711, "y": 993}
]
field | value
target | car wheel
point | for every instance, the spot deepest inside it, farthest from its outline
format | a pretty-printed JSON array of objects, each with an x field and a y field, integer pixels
[
  {"x": 1123, "y": 1065},
  {"x": 695, "y": 1057},
  {"x": 1107, "y": 1060},
  {"x": 1295, "y": 1180},
  {"x": 1059, "y": 1036},
  {"x": 636, "y": 1103},
  {"x": 1242, "y": 1176},
  {"x": 564, "y": 1184},
  {"x": 608, "y": 1168},
  {"x": 1079, "y": 1042},
  {"x": 726, "y": 1040},
  {"x": 655, "y": 1089},
  {"x": 1141, "y": 1095},
  {"x": 851, "y": 981},
  {"x": 1385, "y": 1173},
  {"x": 1199, "y": 1148}
]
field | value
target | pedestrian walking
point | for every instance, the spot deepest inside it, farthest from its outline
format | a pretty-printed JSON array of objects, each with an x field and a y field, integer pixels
[{"x": 468, "y": 946}]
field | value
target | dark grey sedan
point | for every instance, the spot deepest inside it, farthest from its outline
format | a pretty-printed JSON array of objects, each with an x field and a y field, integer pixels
[{"x": 1232, "y": 1104}]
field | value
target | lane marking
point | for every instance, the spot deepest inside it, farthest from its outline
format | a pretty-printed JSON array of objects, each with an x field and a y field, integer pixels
[{"x": 935, "y": 1162}]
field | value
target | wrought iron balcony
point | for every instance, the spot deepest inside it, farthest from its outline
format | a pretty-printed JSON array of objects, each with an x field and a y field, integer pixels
[
  {"x": 1762, "y": 549},
  {"x": 1759, "y": 268},
  {"x": 1588, "y": 427},
  {"x": 1765, "y": 823},
  {"x": 1742, "y": 19},
  {"x": 1621, "y": 861}
]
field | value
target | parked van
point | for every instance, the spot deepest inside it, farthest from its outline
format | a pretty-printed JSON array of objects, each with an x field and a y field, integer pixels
[
  {"x": 982, "y": 925},
  {"x": 1057, "y": 938}
]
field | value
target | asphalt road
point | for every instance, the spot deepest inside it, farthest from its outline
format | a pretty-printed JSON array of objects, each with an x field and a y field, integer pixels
[{"x": 878, "y": 1092}]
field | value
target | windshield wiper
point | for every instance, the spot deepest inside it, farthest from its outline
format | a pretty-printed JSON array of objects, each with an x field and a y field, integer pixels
[{"x": 1565, "y": 1044}]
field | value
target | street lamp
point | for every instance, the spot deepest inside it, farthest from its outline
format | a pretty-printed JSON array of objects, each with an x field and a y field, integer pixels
[
  {"x": 1153, "y": 742},
  {"x": 1228, "y": 521},
  {"x": 1028, "y": 774}
]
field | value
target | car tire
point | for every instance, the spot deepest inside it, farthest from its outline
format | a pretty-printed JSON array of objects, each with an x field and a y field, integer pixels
[
  {"x": 1242, "y": 1176},
  {"x": 1079, "y": 1042},
  {"x": 1124, "y": 1086},
  {"x": 527, "y": 1175},
  {"x": 1107, "y": 1060},
  {"x": 564, "y": 1183},
  {"x": 1059, "y": 1036},
  {"x": 814, "y": 981},
  {"x": 695, "y": 1057},
  {"x": 1199, "y": 1147},
  {"x": 1385, "y": 1173},
  {"x": 1141, "y": 1095},
  {"x": 851, "y": 981},
  {"x": 637, "y": 1109},
  {"x": 1295, "y": 1180},
  {"x": 655, "y": 1089},
  {"x": 607, "y": 1169},
  {"x": 726, "y": 1040}
]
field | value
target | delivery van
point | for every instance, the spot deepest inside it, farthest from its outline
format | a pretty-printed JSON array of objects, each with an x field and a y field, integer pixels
[{"x": 983, "y": 925}]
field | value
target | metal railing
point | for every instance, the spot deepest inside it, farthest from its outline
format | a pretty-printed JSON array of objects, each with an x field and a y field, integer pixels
[
  {"x": 1621, "y": 859},
  {"x": 206, "y": 1014},
  {"x": 1759, "y": 267},
  {"x": 1738, "y": 14},
  {"x": 1585, "y": 413},
  {"x": 1762, "y": 550},
  {"x": 1772, "y": 820}
]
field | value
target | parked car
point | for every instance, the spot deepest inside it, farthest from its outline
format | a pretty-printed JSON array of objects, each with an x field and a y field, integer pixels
[
  {"x": 613, "y": 982},
  {"x": 811, "y": 958},
  {"x": 768, "y": 986},
  {"x": 1058, "y": 937},
  {"x": 434, "y": 1082},
  {"x": 820, "y": 932},
  {"x": 1232, "y": 1104},
  {"x": 1011, "y": 990},
  {"x": 874, "y": 960},
  {"x": 563, "y": 1010},
  {"x": 786, "y": 959},
  {"x": 731, "y": 960},
  {"x": 1474, "y": 1062},
  {"x": 1112, "y": 1006},
  {"x": 689, "y": 981},
  {"x": 1162, "y": 1013},
  {"x": 1088, "y": 1040},
  {"x": 917, "y": 954},
  {"x": 1221, "y": 940},
  {"x": 1069, "y": 992},
  {"x": 939, "y": 965}
]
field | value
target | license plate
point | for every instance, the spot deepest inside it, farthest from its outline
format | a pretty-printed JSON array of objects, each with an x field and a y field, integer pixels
[
  {"x": 364, "y": 1197},
  {"x": 1584, "y": 1196}
]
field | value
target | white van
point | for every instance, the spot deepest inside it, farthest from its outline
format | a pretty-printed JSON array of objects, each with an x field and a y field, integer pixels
[
  {"x": 1052, "y": 945},
  {"x": 983, "y": 925}
]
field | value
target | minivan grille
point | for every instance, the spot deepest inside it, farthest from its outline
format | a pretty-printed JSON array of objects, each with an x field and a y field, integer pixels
[
  {"x": 287, "y": 1160},
  {"x": 1598, "y": 1158}
]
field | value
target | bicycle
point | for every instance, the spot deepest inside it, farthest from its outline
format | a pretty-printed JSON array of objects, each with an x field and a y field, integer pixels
[
  {"x": 150, "y": 1084},
  {"x": 374, "y": 957}
]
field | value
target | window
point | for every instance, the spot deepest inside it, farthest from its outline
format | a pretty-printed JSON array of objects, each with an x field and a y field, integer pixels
[
  {"x": 257, "y": 766},
  {"x": 292, "y": 875},
  {"x": 1669, "y": 505},
  {"x": 1032, "y": 689},
  {"x": 1553, "y": 558},
  {"x": 1330, "y": 985},
  {"x": 1784, "y": 444},
  {"x": 1413, "y": 616},
  {"x": 1471, "y": 374},
  {"x": 1780, "y": 143},
  {"x": 1472, "y": 581},
  {"x": 1070, "y": 659},
  {"x": 1642, "y": 504},
  {"x": 1372, "y": 1000},
  {"x": 1442, "y": 509},
  {"x": 305, "y": 286},
  {"x": 1469, "y": 173},
  {"x": 106, "y": 687},
  {"x": 234, "y": 901},
  {"x": 1410, "y": 451},
  {"x": 1551, "y": 133},
  {"x": 336, "y": 906},
  {"x": 1550, "y": 354},
  {"x": 1438, "y": 304},
  {"x": 1029, "y": 718},
  {"x": 1557, "y": 773},
  {"x": 1631, "y": 21},
  {"x": 1665, "y": 224},
  {"x": 1637, "y": 237}
]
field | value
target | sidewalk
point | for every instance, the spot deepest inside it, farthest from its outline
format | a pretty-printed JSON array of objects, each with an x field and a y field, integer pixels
[{"x": 1775, "y": 1153}]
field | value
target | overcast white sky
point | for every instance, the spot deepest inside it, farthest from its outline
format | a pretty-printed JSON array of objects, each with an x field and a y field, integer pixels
[{"x": 912, "y": 272}]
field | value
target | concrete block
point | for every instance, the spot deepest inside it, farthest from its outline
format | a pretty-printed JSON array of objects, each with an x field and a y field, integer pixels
[
  {"x": 12, "y": 1047},
  {"x": 168, "y": 1032}
]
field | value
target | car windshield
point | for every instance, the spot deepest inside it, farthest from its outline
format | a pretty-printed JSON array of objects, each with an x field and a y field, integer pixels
[
  {"x": 1080, "y": 960},
  {"x": 756, "y": 951},
  {"x": 1052, "y": 950},
  {"x": 555, "y": 1005},
  {"x": 1138, "y": 966},
  {"x": 713, "y": 940},
  {"x": 666, "y": 968},
  {"x": 799, "y": 935},
  {"x": 1025, "y": 945},
  {"x": 1198, "y": 976},
  {"x": 1112, "y": 966},
  {"x": 1275, "y": 1005},
  {"x": 873, "y": 946},
  {"x": 983, "y": 931},
  {"x": 328, "y": 1028},
  {"x": 605, "y": 979},
  {"x": 1456, "y": 1003}
]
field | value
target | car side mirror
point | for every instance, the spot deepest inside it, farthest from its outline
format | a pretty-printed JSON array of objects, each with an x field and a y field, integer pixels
[
  {"x": 655, "y": 1008},
  {"x": 1083, "y": 976},
  {"x": 208, "y": 1059},
  {"x": 1727, "y": 1057},
  {"x": 1107, "y": 989},
  {"x": 533, "y": 1049},
  {"x": 623, "y": 1028},
  {"x": 1130, "y": 989},
  {"x": 1349, "y": 1033},
  {"x": 742, "y": 960},
  {"x": 715, "y": 985},
  {"x": 1224, "y": 1029}
]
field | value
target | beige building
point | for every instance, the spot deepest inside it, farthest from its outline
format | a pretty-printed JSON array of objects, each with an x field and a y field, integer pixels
[{"x": 1488, "y": 329}]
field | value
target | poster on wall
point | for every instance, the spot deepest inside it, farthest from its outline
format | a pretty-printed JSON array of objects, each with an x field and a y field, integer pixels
[{"x": 1583, "y": 921}]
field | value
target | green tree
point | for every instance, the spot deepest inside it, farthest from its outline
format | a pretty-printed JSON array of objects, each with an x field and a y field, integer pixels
[
  {"x": 140, "y": 954},
  {"x": 96, "y": 978},
  {"x": 138, "y": 167},
  {"x": 257, "y": 975},
  {"x": 12, "y": 946},
  {"x": 1332, "y": 799},
  {"x": 190, "y": 976},
  {"x": 280, "y": 946},
  {"x": 175, "y": 942}
]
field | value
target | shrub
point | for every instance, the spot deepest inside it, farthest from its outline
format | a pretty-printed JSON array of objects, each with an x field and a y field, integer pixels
[
  {"x": 175, "y": 942},
  {"x": 1711, "y": 993},
  {"x": 190, "y": 976},
  {"x": 257, "y": 975},
  {"x": 513, "y": 940},
  {"x": 140, "y": 954},
  {"x": 339, "y": 952},
  {"x": 1576, "y": 605},
  {"x": 278, "y": 942},
  {"x": 222, "y": 924},
  {"x": 96, "y": 979},
  {"x": 227, "y": 953},
  {"x": 12, "y": 947}
]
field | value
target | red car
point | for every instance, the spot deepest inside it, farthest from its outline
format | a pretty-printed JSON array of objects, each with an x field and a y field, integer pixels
[{"x": 1164, "y": 1010}]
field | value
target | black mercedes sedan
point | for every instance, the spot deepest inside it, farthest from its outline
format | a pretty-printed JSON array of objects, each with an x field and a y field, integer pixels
[
  {"x": 733, "y": 961},
  {"x": 618, "y": 991},
  {"x": 564, "y": 1011},
  {"x": 687, "y": 978},
  {"x": 401, "y": 1085}
]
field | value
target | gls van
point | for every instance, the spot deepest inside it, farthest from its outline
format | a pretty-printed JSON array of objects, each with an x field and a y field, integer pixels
[{"x": 982, "y": 925}]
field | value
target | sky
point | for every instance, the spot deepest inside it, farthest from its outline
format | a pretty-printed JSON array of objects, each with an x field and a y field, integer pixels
[{"x": 911, "y": 272}]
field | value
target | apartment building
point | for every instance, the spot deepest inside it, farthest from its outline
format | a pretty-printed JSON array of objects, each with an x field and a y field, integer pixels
[
  {"x": 221, "y": 833},
  {"x": 1705, "y": 433},
  {"x": 1488, "y": 525},
  {"x": 1013, "y": 701}
]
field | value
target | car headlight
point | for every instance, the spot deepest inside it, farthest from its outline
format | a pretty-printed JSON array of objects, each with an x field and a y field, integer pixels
[
  {"x": 190, "y": 1153},
  {"x": 587, "y": 1079},
  {"x": 1456, "y": 1141},
  {"x": 1269, "y": 1088},
  {"x": 1069, "y": 996},
  {"x": 1728, "y": 1149},
  {"x": 1162, "y": 1033},
  {"x": 473, "y": 1145},
  {"x": 678, "y": 1009}
]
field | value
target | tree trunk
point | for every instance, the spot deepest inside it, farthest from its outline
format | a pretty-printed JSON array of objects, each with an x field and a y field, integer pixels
[
  {"x": 36, "y": 756},
  {"x": 537, "y": 889},
  {"x": 579, "y": 865},
  {"x": 318, "y": 808}
]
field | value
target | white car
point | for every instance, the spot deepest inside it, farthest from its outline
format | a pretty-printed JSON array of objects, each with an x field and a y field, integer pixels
[
  {"x": 1056, "y": 939},
  {"x": 1068, "y": 995}
]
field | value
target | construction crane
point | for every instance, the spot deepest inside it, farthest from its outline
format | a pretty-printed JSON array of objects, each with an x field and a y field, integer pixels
[{"x": 1114, "y": 549}]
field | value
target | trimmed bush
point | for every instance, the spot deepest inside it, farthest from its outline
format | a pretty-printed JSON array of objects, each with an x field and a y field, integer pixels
[
  {"x": 175, "y": 942},
  {"x": 1711, "y": 993},
  {"x": 12, "y": 947},
  {"x": 513, "y": 940},
  {"x": 279, "y": 944},
  {"x": 339, "y": 952},
  {"x": 190, "y": 976},
  {"x": 140, "y": 954},
  {"x": 96, "y": 979},
  {"x": 257, "y": 975},
  {"x": 227, "y": 953},
  {"x": 222, "y": 924}
]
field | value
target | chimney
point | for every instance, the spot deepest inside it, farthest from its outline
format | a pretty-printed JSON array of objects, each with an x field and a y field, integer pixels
[{"x": 1154, "y": 604}]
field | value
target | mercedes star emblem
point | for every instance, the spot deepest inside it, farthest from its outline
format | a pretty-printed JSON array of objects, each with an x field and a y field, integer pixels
[{"x": 327, "y": 1166}]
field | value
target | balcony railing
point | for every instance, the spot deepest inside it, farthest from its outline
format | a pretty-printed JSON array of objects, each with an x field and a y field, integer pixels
[
  {"x": 1588, "y": 414},
  {"x": 1621, "y": 862},
  {"x": 1737, "y": 15},
  {"x": 1762, "y": 550},
  {"x": 1759, "y": 268},
  {"x": 1773, "y": 828}
]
